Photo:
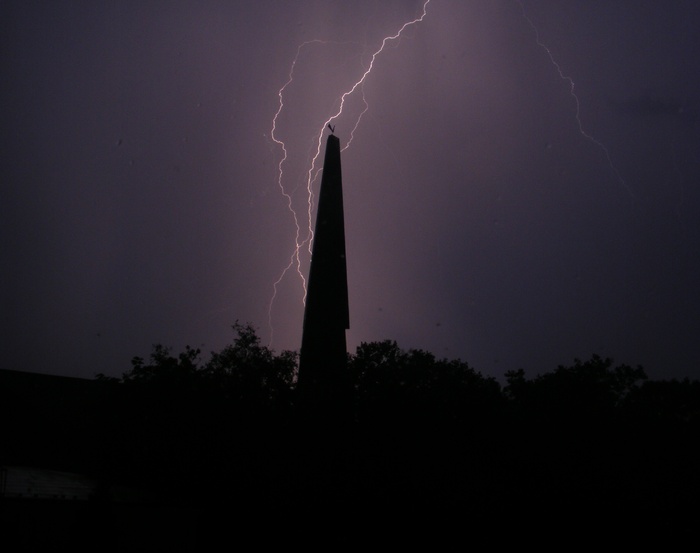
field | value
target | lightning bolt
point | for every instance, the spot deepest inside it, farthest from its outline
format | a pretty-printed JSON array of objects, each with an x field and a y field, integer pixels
[
  {"x": 572, "y": 92},
  {"x": 280, "y": 172},
  {"x": 294, "y": 263}
]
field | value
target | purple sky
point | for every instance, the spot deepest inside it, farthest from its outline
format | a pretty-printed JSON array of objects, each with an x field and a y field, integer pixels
[{"x": 141, "y": 199}]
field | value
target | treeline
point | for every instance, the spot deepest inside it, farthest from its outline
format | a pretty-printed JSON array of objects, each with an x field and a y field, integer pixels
[{"x": 594, "y": 443}]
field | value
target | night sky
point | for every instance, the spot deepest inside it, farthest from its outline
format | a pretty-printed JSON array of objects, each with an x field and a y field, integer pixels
[{"x": 521, "y": 191}]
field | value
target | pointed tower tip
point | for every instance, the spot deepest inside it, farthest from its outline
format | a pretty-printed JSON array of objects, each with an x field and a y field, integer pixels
[{"x": 333, "y": 138}]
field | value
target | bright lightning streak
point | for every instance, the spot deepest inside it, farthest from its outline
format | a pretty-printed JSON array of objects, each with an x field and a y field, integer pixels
[
  {"x": 280, "y": 171},
  {"x": 359, "y": 118},
  {"x": 572, "y": 92},
  {"x": 313, "y": 172},
  {"x": 359, "y": 83}
]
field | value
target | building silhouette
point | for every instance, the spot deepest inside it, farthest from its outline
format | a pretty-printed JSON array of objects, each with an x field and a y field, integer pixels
[{"x": 323, "y": 355}]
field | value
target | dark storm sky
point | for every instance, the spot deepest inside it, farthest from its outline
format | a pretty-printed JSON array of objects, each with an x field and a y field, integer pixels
[{"x": 141, "y": 200}]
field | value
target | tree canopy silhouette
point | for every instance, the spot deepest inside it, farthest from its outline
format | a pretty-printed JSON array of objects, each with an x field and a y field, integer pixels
[{"x": 424, "y": 435}]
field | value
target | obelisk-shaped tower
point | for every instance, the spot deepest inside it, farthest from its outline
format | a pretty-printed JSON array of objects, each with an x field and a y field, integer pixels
[{"x": 322, "y": 360}]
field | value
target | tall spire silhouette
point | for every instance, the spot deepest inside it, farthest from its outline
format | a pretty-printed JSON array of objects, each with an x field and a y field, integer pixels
[{"x": 323, "y": 356}]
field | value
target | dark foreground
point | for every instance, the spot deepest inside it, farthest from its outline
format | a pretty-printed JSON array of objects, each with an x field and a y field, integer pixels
[{"x": 164, "y": 464}]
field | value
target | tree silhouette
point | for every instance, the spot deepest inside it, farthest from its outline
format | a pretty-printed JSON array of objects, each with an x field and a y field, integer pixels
[
  {"x": 251, "y": 374},
  {"x": 593, "y": 446}
]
